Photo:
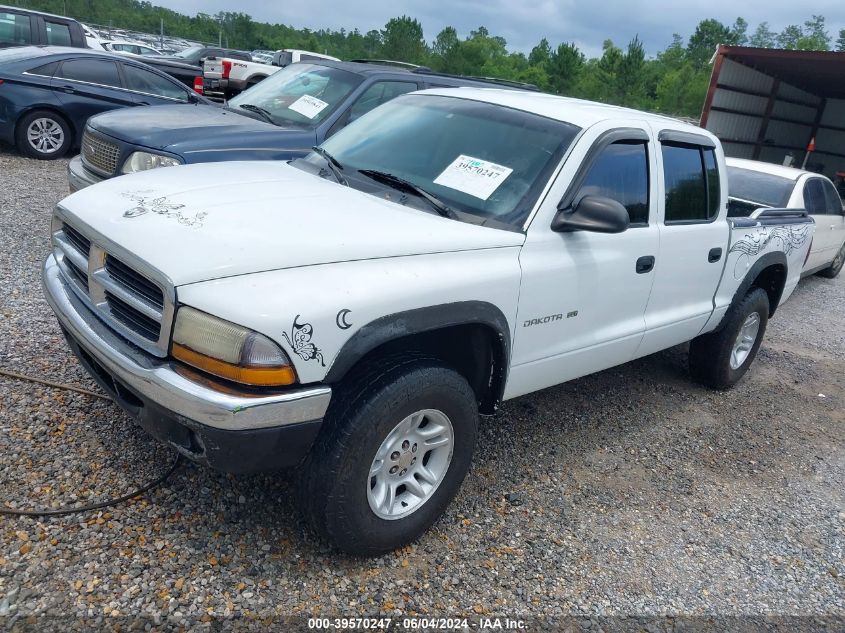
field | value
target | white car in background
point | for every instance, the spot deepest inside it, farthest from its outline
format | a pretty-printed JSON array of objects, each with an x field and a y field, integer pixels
[
  {"x": 754, "y": 185},
  {"x": 135, "y": 48}
]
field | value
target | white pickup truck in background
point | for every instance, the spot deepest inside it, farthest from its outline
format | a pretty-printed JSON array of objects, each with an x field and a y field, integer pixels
[
  {"x": 224, "y": 77},
  {"x": 353, "y": 313}
]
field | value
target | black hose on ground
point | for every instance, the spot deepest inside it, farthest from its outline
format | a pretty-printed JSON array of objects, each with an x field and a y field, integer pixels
[{"x": 92, "y": 506}]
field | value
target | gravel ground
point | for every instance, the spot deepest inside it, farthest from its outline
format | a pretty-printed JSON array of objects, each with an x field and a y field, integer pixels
[{"x": 630, "y": 492}]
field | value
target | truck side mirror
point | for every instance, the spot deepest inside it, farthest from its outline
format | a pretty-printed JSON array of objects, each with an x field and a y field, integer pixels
[{"x": 593, "y": 213}]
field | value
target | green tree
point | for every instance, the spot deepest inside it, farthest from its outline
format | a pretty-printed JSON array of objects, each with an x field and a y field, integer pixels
[
  {"x": 815, "y": 37},
  {"x": 706, "y": 39},
  {"x": 541, "y": 53},
  {"x": 789, "y": 37},
  {"x": 763, "y": 36},
  {"x": 630, "y": 77},
  {"x": 403, "y": 40},
  {"x": 738, "y": 35},
  {"x": 564, "y": 67},
  {"x": 445, "y": 42},
  {"x": 840, "y": 42}
]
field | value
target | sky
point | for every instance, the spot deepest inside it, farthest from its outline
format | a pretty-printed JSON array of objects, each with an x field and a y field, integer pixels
[{"x": 524, "y": 22}]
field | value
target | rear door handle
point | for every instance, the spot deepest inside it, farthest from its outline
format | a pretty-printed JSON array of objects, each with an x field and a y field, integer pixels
[
  {"x": 714, "y": 255},
  {"x": 645, "y": 264}
]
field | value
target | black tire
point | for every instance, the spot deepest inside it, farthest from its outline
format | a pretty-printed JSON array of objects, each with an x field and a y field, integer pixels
[
  {"x": 836, "y": 265},
  {"x": 332, "y": 491},
  {"x": 710, "y": 354},
  {"x": 54, "y": 121}
]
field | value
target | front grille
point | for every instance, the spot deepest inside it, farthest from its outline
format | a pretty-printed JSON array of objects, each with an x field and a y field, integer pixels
[
  {"x": 134, "y": 282},
  {"x": 99, "y": 153},
  {"x": 82, "y": 243},
  {"x": 149, "y": 328},
  {"x": 80, "y": 275},
  {"x": 130, "y": 302}
]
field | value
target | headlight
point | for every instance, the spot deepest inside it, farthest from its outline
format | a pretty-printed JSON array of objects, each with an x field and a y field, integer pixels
[
  {"x": 142, "y": 161},
  {"x": 229, "y": 351}
]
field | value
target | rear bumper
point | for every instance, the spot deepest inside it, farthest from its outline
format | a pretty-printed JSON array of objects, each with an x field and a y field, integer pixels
[
  {"x": 211, "y": 424},
  {"x": 78, "y": 177}
]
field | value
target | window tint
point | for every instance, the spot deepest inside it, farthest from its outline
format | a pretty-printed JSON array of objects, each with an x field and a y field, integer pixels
[
  {"x": 621, "y": 173},
  {"x": 380, "y": 92},
  {"x": 756, "y": 186},
  {"x": 14, "y": 29},
  {"x": 834, "y": 202},
  {"x": 58, "y": 34},
  {"x": 46, "y": 70},
  {"x": 814, "y": 201},
  {"x": 686, "y": 184},
  {"x": 714, "y": 193},
  {"x": 141, "y": 80},
  {"x": 93, "y": 71}
]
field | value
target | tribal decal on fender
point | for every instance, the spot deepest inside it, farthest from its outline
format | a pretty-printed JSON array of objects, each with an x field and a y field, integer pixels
[
  {"x": 790, "y": 238},
  {"x": 160, "y": 206},
  {"x": 300, "y": 341}
]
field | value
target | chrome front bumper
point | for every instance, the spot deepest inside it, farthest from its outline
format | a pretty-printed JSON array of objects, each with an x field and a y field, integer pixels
[
  {"x": 158, "y": 380},
  {"x": 78, "y": 177}
]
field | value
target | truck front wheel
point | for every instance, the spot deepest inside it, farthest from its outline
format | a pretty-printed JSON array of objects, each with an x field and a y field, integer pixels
[
  {"x": 395, "y": 448},
  {"x": 721, "y": 358}
]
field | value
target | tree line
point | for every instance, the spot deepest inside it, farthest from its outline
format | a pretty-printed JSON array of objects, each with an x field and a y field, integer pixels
[{"x": 673, "y": 82}]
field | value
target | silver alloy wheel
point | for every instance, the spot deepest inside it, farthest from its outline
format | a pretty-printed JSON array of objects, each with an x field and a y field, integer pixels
[
  {"x": 45, "y": 136},
  {"x": 410, "y": 464},
  {"x": 745, "y": 340}
]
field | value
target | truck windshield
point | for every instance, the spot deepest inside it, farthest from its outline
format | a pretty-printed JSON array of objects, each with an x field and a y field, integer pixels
[
  {"x": 479, "y": 158},
  {"x": 754, "y": 186},
  {"x": 301, "y": 94}
]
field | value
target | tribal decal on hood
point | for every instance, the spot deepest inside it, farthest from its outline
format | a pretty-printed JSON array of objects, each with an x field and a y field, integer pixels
[
  {"x": 160, "y": 206},
  {"x": 790, "y": 239}
]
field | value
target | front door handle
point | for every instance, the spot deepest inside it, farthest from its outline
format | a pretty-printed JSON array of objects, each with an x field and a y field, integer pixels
[
  {"x": 69, "y": 89},
  {"x": 714, "y": 255},
  {"x": 645, "y": 264}
]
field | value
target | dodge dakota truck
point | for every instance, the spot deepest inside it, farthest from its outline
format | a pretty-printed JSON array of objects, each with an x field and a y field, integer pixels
[{"x": 352, "y": 313}]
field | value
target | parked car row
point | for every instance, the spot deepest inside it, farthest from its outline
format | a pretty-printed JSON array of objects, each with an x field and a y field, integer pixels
[
  {"x": 47, "y": 94},
  {"x": 279, "y": 119},
  {"x": 225, "y": 77}
]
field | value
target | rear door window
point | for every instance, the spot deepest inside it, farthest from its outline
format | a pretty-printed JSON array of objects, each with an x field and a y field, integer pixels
[
  {"x": 15, "y": 29},
  {"x": 143, "y": 81},
  {"x": 58, "y": 34},
  {"x": 692, "y": 183},
  {"x": 834, "y": 202},
  {"x": 100, "y": 72},
  {"x": 814, "y": 198}
]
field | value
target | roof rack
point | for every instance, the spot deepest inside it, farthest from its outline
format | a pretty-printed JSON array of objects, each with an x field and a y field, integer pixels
[
  {"x": 491, "y": 80},
  {"x": 391, "y": 62}
]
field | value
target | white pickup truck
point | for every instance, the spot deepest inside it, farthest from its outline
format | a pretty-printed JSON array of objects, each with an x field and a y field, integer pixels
[
  {"x": 352, "y": 313},
  {"x": 224, "y": 77}
]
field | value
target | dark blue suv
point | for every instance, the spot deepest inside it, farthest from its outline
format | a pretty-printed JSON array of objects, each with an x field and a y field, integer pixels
[{"x": 281, "y": 118}]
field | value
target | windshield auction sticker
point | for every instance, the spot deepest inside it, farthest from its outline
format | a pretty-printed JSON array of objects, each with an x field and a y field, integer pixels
[
  {"x": 308, "y": 106},
  {"x": 473, "y": 176}
]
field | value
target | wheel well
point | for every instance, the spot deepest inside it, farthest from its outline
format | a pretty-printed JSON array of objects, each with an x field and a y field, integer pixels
[
  {"x": 474, "y": 350},
  {"x": 51, "y": 109},
  {"x": 255, "y": 79},
  {"x": 772, "y": 279}
]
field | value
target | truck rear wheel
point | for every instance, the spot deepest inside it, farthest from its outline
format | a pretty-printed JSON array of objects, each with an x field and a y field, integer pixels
[
  {"x": 836, "y": 265},
  {"x": 720, "y": 359},
  {"x": 394, "y": 450}
]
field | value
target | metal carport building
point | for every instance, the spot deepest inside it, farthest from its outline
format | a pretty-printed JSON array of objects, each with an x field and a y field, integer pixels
[{"x": 768, "y": 105}]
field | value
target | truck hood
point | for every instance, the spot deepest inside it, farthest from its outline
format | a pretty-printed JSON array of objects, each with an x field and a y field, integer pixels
[
  {"x": 200, "y": 222},
  {"x": 191, "y": 130}
]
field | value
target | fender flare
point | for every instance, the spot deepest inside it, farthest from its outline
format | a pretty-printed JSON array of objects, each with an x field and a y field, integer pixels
[
  {"x": 417, "y": 321},
  {"x": 776, "y": 258}
]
